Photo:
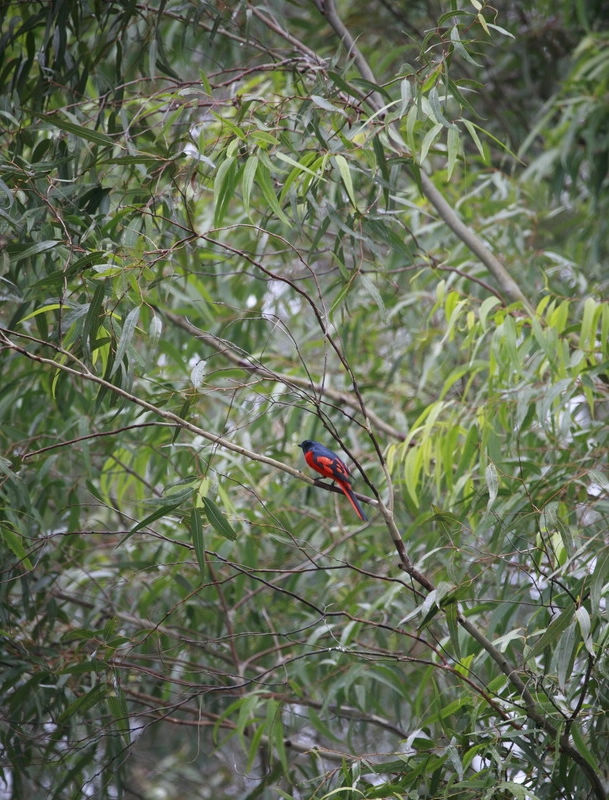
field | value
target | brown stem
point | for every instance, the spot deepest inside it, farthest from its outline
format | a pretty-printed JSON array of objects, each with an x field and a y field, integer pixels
[
  {"x": 230, "y": 352},
  {"x": 435, "y": 197}
]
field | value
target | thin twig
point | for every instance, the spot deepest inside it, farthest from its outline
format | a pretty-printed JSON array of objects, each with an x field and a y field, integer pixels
[
  {"x": 435, "y": 197},
  {"x": 85, "y": 374},
  {"x": 247, "y": 363}
]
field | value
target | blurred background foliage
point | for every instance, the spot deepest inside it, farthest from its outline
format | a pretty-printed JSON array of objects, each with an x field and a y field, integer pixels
[{"x": 212, "y": 250}]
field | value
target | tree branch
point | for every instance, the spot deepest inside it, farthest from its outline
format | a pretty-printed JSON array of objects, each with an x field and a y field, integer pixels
[
  {"x": 85, "y": 374},
  {"x": 230, "y": 352},
  {"x": 435, "y": 197}
]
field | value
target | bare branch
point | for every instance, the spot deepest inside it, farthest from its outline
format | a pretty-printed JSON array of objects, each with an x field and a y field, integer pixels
[{"x": 247, "y": 363}]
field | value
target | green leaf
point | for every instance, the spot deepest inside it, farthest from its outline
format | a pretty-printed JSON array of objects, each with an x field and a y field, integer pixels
[
  {"x": 82, "y": 704},
  {"x": 79, "y": 766},
  {"x": 15, "y": 544},
  {"x": 196, "y": 529},
  {"x": 428, "y": 140},
  {"x": 583, "y": 620},
  {"x": 460, "y": 49},
  {"x": 552, "y": 632},
  {"x": 433, "y": 602},
  {"x": 106, "y": 270},
  {"x": 338, "y": 300},
  {"x": 472, "y": 125},
  {"x": 126, "y": 336},
  {"x": 345, "y": 174},
  {"x": 413, "y": 465},
  {"x": 405, "y": 95},
  {"x": 78, "y": 130},
  {"x": 326, "y": 104},
  {"x": 18, "y": 253},
  {"x": 436, "y": 108},
  {"x": 43, "y": 310},
  {"x": 485, "y": 309},
  {"x": 589, "y": 323},
  {"x": 224, "y": 186},
  {"x": 93, "y": 318},
  {"x": 118, "y": 708},
  {"x": 381, "y": 161},
  {"x": 451, "y": 612},
  {"x": 516, "y": 790},
  {"x": 500, "y": 30},
  {"x": 482, "y": 21},
  {"x": 583, "y": 748},
  {"x": 564, "y": 655},
  {"x": 298, "y": 164},
  {"x": 166, "y": 508},
  {"x": 227, "y": 123},
  {"x": 492, "y": 484},
  {"x": 274, "y": 725},
  {"x": 371, "y": 289},
  {"x": 247, "y": 181},
  {"x": 454, "y": 148},
  {"x": 263, "y": 179},
  {"x": 476, "y": 139},
  {"x": 600, "y": 577},
  {"x": 217, "y": 519}
]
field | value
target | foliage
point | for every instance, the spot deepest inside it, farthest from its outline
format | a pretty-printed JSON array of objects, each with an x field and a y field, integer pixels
[
  {"x": 574, "y": 124},
  {"x": 221, "y": 237}
]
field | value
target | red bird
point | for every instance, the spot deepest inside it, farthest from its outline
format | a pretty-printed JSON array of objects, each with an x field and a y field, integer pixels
[{"x": 330, "y": 465}]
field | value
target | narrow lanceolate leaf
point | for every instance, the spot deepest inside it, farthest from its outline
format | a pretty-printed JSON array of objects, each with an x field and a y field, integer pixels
[
  {"x": 454, "y": 145},
  {"x": 166, "y": 508},
  {"x": 82, "y": 703},
  {"x": 436, "y": 108},
  {"x": 583, "y": 748},
  {"x": 600, "y": 577},
  {"x": 298, "y": 165},
  {"x": 564, "y": 655},
  {"x": 217, "y": 520},
  {"x": 552, "y": 632},
  {"x": 382, "y": 165},
  {"x": 93, "y": 318},
  {"x": 18, "y": 254},
  {"x": 125, "y": 338},
  {"x": 247, "y": 181},
  {"x": 224, "y": 184},
  {"x": 263, "y": 179},
  {"x": 43, "y": 310},
  {"x": 583, "y": 620},
  {"x": 345, "y": 174},
  {"x": 78, "y": 130},
  {"x": 118, "y": 708},
  {"x": 325, "y": 104},
  {"x": 429, "y": 139},
  {"x": 14, "y": 542},
  {"x": 589, "y": 322},
  {"x": 405, "y": 94},
  {"x": 476, "y": 139},
  {"x": 196, "y": 529},
  {"x": 492, "y": 484}
]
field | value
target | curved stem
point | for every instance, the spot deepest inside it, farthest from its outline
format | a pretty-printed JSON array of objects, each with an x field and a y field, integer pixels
[{"x": 435, "y": 197}]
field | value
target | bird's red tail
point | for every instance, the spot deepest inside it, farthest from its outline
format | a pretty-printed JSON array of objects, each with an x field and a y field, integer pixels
[{"x": 352, "y": 499}]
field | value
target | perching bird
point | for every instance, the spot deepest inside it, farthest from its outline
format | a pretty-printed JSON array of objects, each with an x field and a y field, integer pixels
[{"x": 330, "y": 465}]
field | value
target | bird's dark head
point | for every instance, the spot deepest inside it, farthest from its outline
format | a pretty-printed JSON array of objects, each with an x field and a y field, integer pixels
[{"x": 306, "y": 445}]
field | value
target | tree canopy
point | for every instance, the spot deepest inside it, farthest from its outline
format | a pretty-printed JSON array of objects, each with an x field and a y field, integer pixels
[{"x": 229, "y": 227}]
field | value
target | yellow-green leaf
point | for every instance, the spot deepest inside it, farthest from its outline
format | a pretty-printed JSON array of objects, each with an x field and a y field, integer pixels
[{"x": 345, "y": 174}]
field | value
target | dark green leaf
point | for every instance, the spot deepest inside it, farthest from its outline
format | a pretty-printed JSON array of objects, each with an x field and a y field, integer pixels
[
  {"x": 217, "y": 520},
  {"x": 196, "y": 530}
]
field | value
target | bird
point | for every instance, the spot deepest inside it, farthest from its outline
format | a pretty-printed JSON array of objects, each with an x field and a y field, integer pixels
[{"x": 328, "y": 464}]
